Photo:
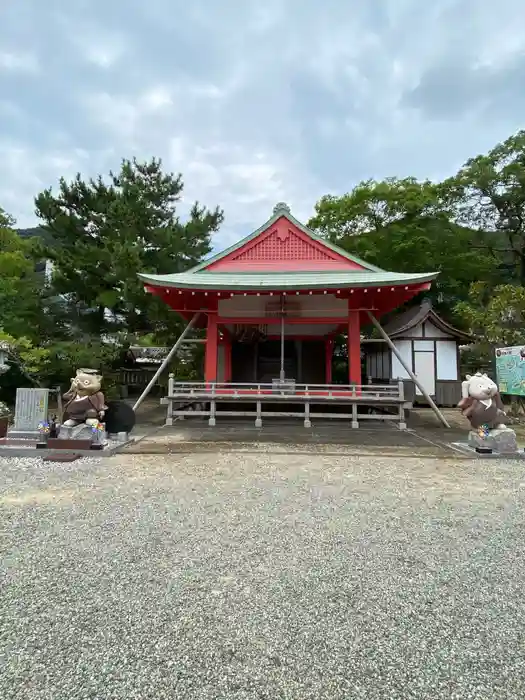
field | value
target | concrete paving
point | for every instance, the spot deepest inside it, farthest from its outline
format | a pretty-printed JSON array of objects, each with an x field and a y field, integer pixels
[{"x": 373, "y": 438}]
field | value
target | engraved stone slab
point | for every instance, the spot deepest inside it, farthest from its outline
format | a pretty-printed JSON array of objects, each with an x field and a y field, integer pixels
[{"x": 31, "y": 408}]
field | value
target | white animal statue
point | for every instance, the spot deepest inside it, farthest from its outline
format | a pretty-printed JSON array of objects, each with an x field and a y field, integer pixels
[{"x": 481, "y": 402}]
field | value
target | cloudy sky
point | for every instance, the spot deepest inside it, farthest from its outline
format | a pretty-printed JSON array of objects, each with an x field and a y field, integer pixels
[{"x": 254, "y": 102}]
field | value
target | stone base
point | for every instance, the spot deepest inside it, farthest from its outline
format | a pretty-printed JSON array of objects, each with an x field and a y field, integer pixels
[
  {"x": 68, "y": 444},
  {"x": 32, "y": 449},
  {"x": 500, "y": 440},
  {"x": 77, "y": 432},
  {"x": 61, "y": 457},
  {"x": 24, "y": 434},
  {"x": 468, "y": 451},
  {"x": 84, "y": 433},
  {"x": 23, "y": 442}
]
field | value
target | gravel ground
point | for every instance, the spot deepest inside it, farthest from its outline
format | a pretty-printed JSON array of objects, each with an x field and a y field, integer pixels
[{"x": 261, "y": 576}]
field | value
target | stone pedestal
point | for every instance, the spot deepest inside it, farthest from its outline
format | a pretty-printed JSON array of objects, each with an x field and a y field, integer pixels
[
  {"x": 83, "y": 432},
  {"x": 77, "y": 432},
  {"x": 501, "y": 440}
]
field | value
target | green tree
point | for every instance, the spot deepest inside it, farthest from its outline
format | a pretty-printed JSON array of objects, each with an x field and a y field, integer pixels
[
  {"x": 25, "y": 358},
  {"x": 495, "y": 316},
  {"x": 490, "y": 195},
  {"x": 105, "y": 232},
  {"x": 405, "y": 225},
  {"x": 21, "y": 289},
  {"x": 65, "y": 357}
]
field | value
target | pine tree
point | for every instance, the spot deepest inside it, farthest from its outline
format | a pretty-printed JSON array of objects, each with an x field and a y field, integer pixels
[{"x": 105, "y": 232}]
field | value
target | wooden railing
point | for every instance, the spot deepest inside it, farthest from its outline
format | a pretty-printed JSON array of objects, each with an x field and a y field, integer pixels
[
  {"x": 205, "y": 397},
  {"x": 135, "y": 377}
]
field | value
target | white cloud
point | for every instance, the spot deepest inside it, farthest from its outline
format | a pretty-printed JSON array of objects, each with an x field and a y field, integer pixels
[
  {"x": 94, "y": 42},
  {"x": 253, "y": 103},
  {"x": 31, "y": 171},
  {"x": 103, "y": 55},
  {"x": 18, "y": 62},
  {"x": 246, "y": 179},
  {"x": 156, "y": 99}
]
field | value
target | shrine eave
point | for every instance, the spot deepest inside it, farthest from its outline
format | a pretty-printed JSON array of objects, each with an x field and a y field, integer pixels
[{"x": 275, "y": 281}]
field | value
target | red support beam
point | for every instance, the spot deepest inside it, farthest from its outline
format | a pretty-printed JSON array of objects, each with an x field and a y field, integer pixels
[
  {"x": 294, "y": 336},
  {"x": 275, "y": 320},
  {"x": 212, "y": 342},
  {"x": 354, "y": 347}
]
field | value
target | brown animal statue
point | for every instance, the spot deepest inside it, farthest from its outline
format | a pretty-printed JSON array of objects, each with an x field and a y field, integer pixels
[
  {"x": 481, "y": 402},
  {"x": 85, "y": 401}
]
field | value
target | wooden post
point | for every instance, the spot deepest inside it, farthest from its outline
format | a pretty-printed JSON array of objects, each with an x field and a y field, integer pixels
[
  {"x": 401, "y": 391},
  {"x": 213, "y": 407},
  {"x": 307, "y": 421},
  {"x": 355, "y": 422},
  {"x": 212, "y": 341},
  {"x": 171, "y": 389},
  {"x": 354, "y": 348}
]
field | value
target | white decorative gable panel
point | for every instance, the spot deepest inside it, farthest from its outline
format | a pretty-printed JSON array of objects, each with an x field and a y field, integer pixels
[{"x": 431, "y": 331}]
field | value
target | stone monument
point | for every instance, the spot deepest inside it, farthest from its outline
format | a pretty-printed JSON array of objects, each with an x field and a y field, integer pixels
[
  {"x": 30, "y": 411},
  {"x": 481, "y": 404}
]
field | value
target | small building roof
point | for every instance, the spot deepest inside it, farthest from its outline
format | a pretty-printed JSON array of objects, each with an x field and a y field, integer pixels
[
  {"x": 148, "y": 354},
  {"x": 415, "y": 316},
  {"x": 154, "y": 355}
]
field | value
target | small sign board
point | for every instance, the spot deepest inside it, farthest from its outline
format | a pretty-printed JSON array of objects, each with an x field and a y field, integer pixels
[
  {"x": 510, "y": 370},
  {"x": 31, "y": 408}
]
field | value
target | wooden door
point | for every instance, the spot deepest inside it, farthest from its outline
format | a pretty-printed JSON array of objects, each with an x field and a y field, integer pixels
[{"x": 424, "y": 369}]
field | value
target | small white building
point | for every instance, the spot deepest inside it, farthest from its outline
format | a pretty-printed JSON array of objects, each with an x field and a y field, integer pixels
[{"x": 429, "y": 346}]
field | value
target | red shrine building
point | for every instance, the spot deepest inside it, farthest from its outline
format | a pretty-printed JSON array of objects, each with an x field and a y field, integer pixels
[{"x": 273, "y": 303}]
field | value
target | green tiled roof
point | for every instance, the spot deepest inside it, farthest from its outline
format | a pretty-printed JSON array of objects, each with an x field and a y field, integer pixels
[
  {"x": 199, "y": 277},
  {"x": 251, "y": 281}
]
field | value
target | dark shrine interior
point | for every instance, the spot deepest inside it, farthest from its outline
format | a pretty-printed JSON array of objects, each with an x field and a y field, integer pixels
[{"x": 260, "y": 361}]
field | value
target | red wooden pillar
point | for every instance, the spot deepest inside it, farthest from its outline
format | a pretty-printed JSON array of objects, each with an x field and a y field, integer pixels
[
  {"x": 212, "y": 342},
  {"x": 328, "y": 347},
  {"x": 354, "y": 347},
  {"x": 227, "y": 359}
]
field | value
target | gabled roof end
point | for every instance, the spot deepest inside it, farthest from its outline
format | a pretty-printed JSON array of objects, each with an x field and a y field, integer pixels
[{"x": 281, "y": 209}]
